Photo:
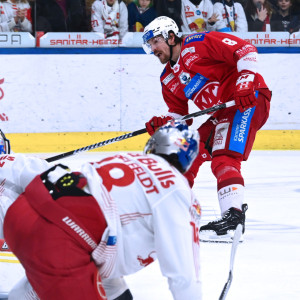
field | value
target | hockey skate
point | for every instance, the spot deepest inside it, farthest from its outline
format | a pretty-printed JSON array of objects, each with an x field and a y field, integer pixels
[{"x": 222, "y": 230}]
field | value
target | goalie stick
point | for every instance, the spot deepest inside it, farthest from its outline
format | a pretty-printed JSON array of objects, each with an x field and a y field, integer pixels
[
  {"x": 235, "y": 242},
  {"x": 137, "y": 132}
]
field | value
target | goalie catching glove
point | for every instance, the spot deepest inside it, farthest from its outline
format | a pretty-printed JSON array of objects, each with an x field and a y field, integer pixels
[
  {"x": 156, "y": 122},
  {"x": 244, "y": 94}
]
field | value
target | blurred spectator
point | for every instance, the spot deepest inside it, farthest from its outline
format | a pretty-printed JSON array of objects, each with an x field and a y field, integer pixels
[
  {"x": 15, "y": 16},
  {"x": 61, "y": 16},
  {"x": 258, "y": 14},
  {"x": 110, "y": 18},
  {"x": 197, "y": 16},
  {"x": 296, "y": 7},
  {"x": 140, "y": 14},
  {"x": 169, "y": 8},
  {"x": 232, "y": 16},
  {"x": 284, "y": 19}
]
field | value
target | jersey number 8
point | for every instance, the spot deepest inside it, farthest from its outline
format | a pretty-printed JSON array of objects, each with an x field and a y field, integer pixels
[{"x": 229, "y": 42}]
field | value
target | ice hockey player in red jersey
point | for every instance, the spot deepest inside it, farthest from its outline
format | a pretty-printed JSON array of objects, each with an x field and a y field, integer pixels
[
  {"x": 78, "y": 232},
  {"x": 211, "y": 68}
]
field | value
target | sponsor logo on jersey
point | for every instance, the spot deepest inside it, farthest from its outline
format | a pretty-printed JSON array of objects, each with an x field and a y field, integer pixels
[
  {"x": 198, "y": 12},
  {"x": 207, "y": 96},
  {"x": 195, "y": 210},
  {"x": 240, "y": 130},
  {"x": 192, "y": 58},
  {"x": 196, "y": 83},
  {"x": 196, "y": 37},
  {"x": 146, "y": 261},
  {"x": 245, "y": 50},
  {"x": 189, "y": 14},
  {"x": 185, "y": 78},
  {"x": 187, "y": 50},
  {"x": 174, "y": 87},
  {"x": 220, "y": 136},
  {"x": 168, "y": 79},
  {"x": 4, "y": 246}
]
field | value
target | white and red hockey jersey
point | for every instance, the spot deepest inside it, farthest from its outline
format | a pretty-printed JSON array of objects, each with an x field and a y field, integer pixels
[
  {"x": 150, "y": 210},
  {"x": 8, "y": 12},
  {"x": 206, "y": 71},
  {"x": 16, "y": 172},
  {"x": 156, "y": 216},
  {"x": 231, "y": 17},
  {"x": 195, "y": 17},
  {"x": 111, "y": 21}
]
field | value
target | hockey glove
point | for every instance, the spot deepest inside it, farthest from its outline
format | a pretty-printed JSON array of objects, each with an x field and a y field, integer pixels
[
  {"x": 156, "y": 122},
  {"x": 244, "y": 94}
]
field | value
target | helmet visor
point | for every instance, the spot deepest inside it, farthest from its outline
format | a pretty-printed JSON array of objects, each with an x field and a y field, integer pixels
[
  {"x": 146, "y": 37},
  {"x": 152, "y": 43}
]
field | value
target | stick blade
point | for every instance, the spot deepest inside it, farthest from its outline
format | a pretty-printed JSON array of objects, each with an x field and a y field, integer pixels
[
  {"x": 236, "y": 239},
  {"x": 226, "y": 287}
]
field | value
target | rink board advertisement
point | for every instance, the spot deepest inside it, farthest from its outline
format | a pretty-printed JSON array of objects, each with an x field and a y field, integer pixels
[
  {"x": 77, "y": 100},
  {"x": 96, "y": 39}
]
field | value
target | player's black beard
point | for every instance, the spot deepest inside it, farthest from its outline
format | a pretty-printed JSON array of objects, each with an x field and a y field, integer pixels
[{"x": 196, "y": 2}]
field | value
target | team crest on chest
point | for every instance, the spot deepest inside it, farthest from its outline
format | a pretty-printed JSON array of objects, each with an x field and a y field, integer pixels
[{"x": 185, "y": 78}]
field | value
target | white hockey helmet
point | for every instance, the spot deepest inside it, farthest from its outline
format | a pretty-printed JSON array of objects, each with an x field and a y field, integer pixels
[
  {"x": 175, "y": 142},
  {"x": 4, "y": 144},
  {"x": 159, "y": 26}
]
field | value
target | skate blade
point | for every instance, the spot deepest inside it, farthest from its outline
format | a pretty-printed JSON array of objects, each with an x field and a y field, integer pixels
[{"x": 211, "y": 237}]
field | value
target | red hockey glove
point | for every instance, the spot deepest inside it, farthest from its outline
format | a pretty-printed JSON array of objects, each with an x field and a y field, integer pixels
[
  {"x": 244, "y": 94},
  {"x": 155, "y": 123}
]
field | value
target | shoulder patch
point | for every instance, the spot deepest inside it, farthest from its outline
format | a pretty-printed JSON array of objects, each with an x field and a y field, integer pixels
[
  {"x": 168, "y": 78},
  {"x": 196, "y": 37}
]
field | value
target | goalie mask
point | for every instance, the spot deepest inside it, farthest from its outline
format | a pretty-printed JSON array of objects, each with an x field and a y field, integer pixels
[
  {"x": 159, "y": 26},
  {"x": 175, "y": 142},
  {"x": 4, "y": 144}
]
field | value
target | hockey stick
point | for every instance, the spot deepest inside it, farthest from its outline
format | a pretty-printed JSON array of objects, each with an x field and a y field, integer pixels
[
  {"x": 137, "y": 132},
  {"x": 235, "y": 242}
]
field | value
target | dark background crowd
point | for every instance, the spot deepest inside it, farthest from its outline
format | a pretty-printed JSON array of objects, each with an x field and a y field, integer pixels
[{"x": 113, "y": 16}]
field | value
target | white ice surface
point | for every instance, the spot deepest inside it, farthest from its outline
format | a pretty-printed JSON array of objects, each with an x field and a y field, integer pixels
[{"x": 267, "y": 263}]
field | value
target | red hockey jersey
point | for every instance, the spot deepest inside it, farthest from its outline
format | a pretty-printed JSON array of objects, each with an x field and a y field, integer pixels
[{"x": 207, "y": 70}]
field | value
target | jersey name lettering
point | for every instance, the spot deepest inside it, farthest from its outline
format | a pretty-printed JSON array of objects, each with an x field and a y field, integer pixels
[{"x": 124, "y": 173}]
